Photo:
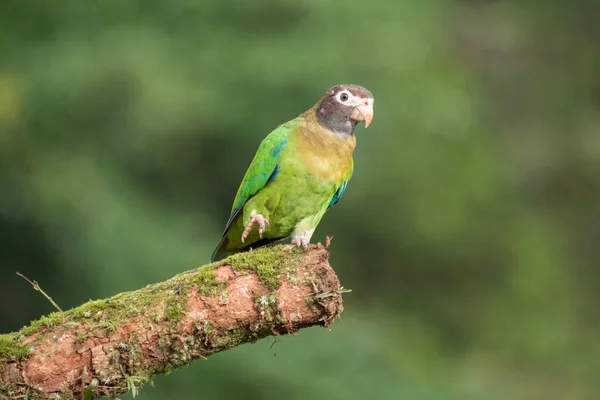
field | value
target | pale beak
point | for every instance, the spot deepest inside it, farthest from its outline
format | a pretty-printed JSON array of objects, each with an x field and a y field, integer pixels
[{"x": 363, "y": 112}]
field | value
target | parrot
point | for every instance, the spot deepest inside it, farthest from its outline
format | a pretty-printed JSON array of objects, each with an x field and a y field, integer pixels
[{"x": 299, "y": 171}]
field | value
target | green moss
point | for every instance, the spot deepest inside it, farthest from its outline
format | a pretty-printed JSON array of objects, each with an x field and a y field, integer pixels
[
  {"x": 231, "y": 338},
  {"x": 173, "y": 311},
  {"x": 211, "y": 338},
  {"x": 266, "y": 301},
  {"x": 89, "y": 309},
  {"x": 106, "y": 326},
  {"x": 266, "y": 305},
  {"x": 81, "y": 337},
  {"x": 270, "y": 264},
  {"x": 163, "y": 343},
  {"x": 129, "y": 354},
  {"x": 68, "y": 318},
  {"x": 207, "y": 282},
  {"x": 105, "y": 316},
  {"x": 46, "y": 321},
  {"x": 12, "y": 348},
  {"x": 205, "y": 328}
]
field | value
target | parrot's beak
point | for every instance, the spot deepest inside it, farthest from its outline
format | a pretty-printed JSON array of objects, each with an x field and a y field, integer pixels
[{"x": 363, "y": 112}]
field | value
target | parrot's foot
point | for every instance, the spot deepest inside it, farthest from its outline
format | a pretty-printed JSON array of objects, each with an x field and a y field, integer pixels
[
  {"x": 301, "y": 241},
  {"x": 259, "y": 220}
]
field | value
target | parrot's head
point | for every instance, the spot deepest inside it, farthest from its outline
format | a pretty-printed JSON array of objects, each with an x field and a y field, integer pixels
[{"x": 343, "y": 107}]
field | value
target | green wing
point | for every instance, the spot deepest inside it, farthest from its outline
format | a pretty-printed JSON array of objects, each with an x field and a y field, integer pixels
[{"x": 264, "y": 167}]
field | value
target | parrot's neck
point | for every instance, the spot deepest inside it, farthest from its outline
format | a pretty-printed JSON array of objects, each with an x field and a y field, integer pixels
[
  {"x": 321, "y": 130},
  {"x": 339, "y": 123}
]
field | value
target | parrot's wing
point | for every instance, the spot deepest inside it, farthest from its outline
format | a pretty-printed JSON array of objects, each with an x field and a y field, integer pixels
[
  {"x": 342, "y": 188},
  {"x": 262, "y": 170},
  {"x": 338, "y": 194}
]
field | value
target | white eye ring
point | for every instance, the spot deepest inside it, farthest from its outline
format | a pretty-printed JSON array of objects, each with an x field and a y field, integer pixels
[{"x": 344, "y": 96}]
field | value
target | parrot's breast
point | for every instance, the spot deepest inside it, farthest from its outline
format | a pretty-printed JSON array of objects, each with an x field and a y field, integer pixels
[{"x": 327, "y": 155}]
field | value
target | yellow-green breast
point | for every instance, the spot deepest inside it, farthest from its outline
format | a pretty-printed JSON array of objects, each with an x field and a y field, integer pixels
[{"x": 327, "y": 155}]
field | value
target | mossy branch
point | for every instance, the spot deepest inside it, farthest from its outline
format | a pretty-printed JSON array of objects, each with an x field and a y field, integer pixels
[{"x": 107, "y": 347}]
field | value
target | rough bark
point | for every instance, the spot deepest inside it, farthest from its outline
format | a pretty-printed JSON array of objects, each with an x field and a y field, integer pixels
[{"x": 115, "y": 345}]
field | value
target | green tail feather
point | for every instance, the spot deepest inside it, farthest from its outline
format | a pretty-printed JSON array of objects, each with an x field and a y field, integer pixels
[{"x": 221, "y": 251}]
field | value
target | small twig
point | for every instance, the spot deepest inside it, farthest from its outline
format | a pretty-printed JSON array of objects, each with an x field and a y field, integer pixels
[
  {"x": 330, "y": 293},
  {"x": 275, "y": 341},
  {"x": 36, "y": 286},
  {"x": 328, "y": 241}
]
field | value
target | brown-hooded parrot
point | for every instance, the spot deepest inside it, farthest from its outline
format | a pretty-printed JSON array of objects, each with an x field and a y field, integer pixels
[{"x": 300, "y": 171}]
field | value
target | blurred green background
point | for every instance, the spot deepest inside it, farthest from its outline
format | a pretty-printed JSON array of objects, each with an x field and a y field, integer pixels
[{"x": 469, "y": 232}]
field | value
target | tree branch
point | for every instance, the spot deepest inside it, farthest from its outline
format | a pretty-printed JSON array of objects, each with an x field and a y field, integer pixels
[{"x": 119, "y": 343}]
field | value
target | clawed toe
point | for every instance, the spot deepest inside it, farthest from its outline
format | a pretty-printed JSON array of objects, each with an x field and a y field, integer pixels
[
  {"x": 262, "y": 224},
  {"x": 259, "y": 220},
  {"x": 301, "y": 241}
]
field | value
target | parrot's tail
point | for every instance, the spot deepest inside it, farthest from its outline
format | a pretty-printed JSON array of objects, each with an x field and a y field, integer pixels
[{"x": 221, "y": 251}]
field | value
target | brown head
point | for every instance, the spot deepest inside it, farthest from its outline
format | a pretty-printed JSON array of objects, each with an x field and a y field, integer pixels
[{"x": 343, "y": 107}]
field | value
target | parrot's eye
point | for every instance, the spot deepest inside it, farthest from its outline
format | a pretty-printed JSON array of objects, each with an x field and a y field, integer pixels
[{"x": 344, "y": 97}]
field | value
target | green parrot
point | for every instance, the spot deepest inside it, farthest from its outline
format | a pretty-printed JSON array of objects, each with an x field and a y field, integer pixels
[{"x": 300, "y": 170}]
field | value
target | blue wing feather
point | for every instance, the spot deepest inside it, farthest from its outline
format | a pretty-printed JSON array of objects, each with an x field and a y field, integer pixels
[{"x": 338, "y": 194}]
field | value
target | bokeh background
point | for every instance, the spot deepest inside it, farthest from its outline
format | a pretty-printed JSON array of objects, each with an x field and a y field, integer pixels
[{"x": 469, "y": 232}]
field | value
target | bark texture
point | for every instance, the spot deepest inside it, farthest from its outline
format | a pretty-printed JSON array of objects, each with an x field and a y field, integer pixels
[{"x": 107, "y": 347}]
